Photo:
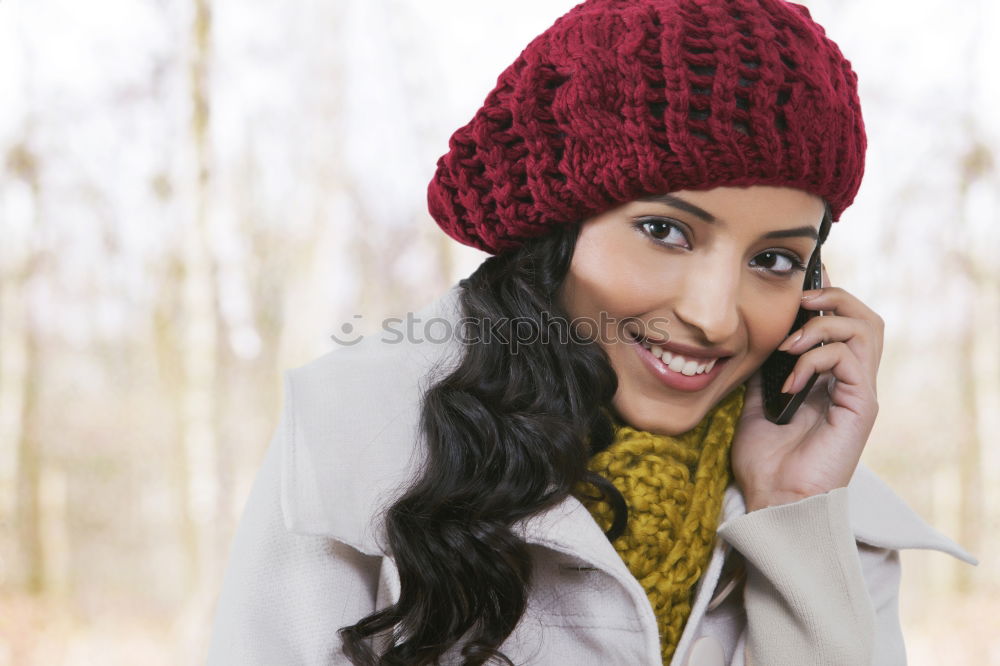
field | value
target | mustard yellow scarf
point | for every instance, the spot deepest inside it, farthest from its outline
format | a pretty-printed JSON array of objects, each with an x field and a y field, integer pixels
[{"x": 673, "y": 487}]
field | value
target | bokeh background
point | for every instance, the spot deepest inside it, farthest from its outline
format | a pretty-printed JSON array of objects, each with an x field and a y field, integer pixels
[{"x": 194, "y": 194}]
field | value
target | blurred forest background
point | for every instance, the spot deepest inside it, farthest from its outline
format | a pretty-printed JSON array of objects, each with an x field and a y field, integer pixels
[{"x": 194, "y": 194}]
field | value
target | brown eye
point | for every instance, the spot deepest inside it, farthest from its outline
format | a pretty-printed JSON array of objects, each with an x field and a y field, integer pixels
[
  {"x": 662, "y": 231},
  {"x": 779, "y": 263}
]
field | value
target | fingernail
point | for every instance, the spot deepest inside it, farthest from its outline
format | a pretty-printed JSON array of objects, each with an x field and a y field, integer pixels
[
  {"x": 786, "y": 387},
  {"x": 790, "y": 341},
  {"x": 812, "y": 293}
]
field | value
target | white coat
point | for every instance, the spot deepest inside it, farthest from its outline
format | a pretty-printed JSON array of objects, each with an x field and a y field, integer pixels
[{"x": 822, "y": 574}]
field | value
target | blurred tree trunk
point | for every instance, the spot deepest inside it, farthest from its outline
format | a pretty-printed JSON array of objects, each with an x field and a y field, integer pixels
[
  {"x": 185, "y": 329},
  {"x": 13, "y": 382},
  {"x": 970, "y": 447},
  {"x": 39, "y": 488},
  {"x": 167, "y": 344},
  {"x": 976, "y": 164},
  {"x": 200, "y": 295},
  {"x": 29, "y": 457},
  {"x": 30, "y": 460}
]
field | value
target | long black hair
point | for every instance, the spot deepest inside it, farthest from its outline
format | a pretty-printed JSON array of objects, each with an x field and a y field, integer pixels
[{"x": 509, "y": 433}]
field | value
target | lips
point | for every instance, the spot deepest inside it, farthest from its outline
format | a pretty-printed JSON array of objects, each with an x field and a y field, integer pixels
[{"x": 673, "y": 379}]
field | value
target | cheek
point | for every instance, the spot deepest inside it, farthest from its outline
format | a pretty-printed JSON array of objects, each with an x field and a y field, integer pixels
[
  {"x": 604, "y": 277},
  {"x": 769, "y": 322}
]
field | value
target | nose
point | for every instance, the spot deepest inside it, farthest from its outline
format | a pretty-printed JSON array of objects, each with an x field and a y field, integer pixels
[{"x": 708, "y": 301}]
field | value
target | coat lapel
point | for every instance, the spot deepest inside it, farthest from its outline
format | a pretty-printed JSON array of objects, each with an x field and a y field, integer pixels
[{"x": 880, "y": 517}]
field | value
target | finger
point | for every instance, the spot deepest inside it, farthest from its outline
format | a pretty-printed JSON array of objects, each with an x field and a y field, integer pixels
[
  {"x": 838, "y": 300},
  {"x": 842, "y": 303},
  {"x": 859, "y": 337},
  {"x": 853, "y": 389}
]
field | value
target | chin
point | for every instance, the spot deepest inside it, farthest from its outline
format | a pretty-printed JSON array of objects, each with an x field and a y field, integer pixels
[{"x": 660, "y": 423}]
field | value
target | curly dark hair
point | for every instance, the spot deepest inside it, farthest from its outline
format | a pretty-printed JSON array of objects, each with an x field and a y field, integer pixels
[{"x": 507, "y": 435}]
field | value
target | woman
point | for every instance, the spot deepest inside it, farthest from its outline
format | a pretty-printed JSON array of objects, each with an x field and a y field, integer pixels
[{"x": 564, "y": 459}]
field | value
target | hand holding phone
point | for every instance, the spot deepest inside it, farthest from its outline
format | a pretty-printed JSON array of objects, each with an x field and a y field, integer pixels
[{"x": 780, "y": 407}]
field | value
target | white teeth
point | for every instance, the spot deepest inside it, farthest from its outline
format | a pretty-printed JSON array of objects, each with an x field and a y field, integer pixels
[
  {"x": 689, "y": 368},
  {"x": 677, "y": 363}
]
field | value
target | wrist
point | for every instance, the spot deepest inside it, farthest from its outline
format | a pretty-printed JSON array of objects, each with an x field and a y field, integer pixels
[{"x": 763, "y": 500}]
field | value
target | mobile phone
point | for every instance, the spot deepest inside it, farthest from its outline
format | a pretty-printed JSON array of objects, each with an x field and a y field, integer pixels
[{"x": 780, "y": 407}]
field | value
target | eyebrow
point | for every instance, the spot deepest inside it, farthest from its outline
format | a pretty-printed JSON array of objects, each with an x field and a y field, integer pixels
[{"x": 681, "y": 204}]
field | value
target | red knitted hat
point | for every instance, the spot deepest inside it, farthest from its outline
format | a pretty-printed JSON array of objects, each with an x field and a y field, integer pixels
[{"x": 621, "y": 99}]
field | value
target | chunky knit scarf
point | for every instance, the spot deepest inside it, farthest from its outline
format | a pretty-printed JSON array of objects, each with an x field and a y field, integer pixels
[{"x": 673, "y": 487}]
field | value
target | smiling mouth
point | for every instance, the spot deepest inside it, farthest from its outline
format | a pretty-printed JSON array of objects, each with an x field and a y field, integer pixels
[{"x": 679, "y": 363}]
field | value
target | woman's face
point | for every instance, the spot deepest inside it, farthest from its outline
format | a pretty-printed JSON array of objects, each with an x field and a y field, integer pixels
[{"x": 713, "y": 274}]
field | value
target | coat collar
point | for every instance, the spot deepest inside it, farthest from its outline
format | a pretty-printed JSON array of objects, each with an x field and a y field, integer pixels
[{"x": 350, "y": 426}]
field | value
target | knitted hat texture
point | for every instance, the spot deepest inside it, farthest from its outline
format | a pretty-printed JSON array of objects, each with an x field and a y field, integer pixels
[{"x": 621, "y": 99}]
